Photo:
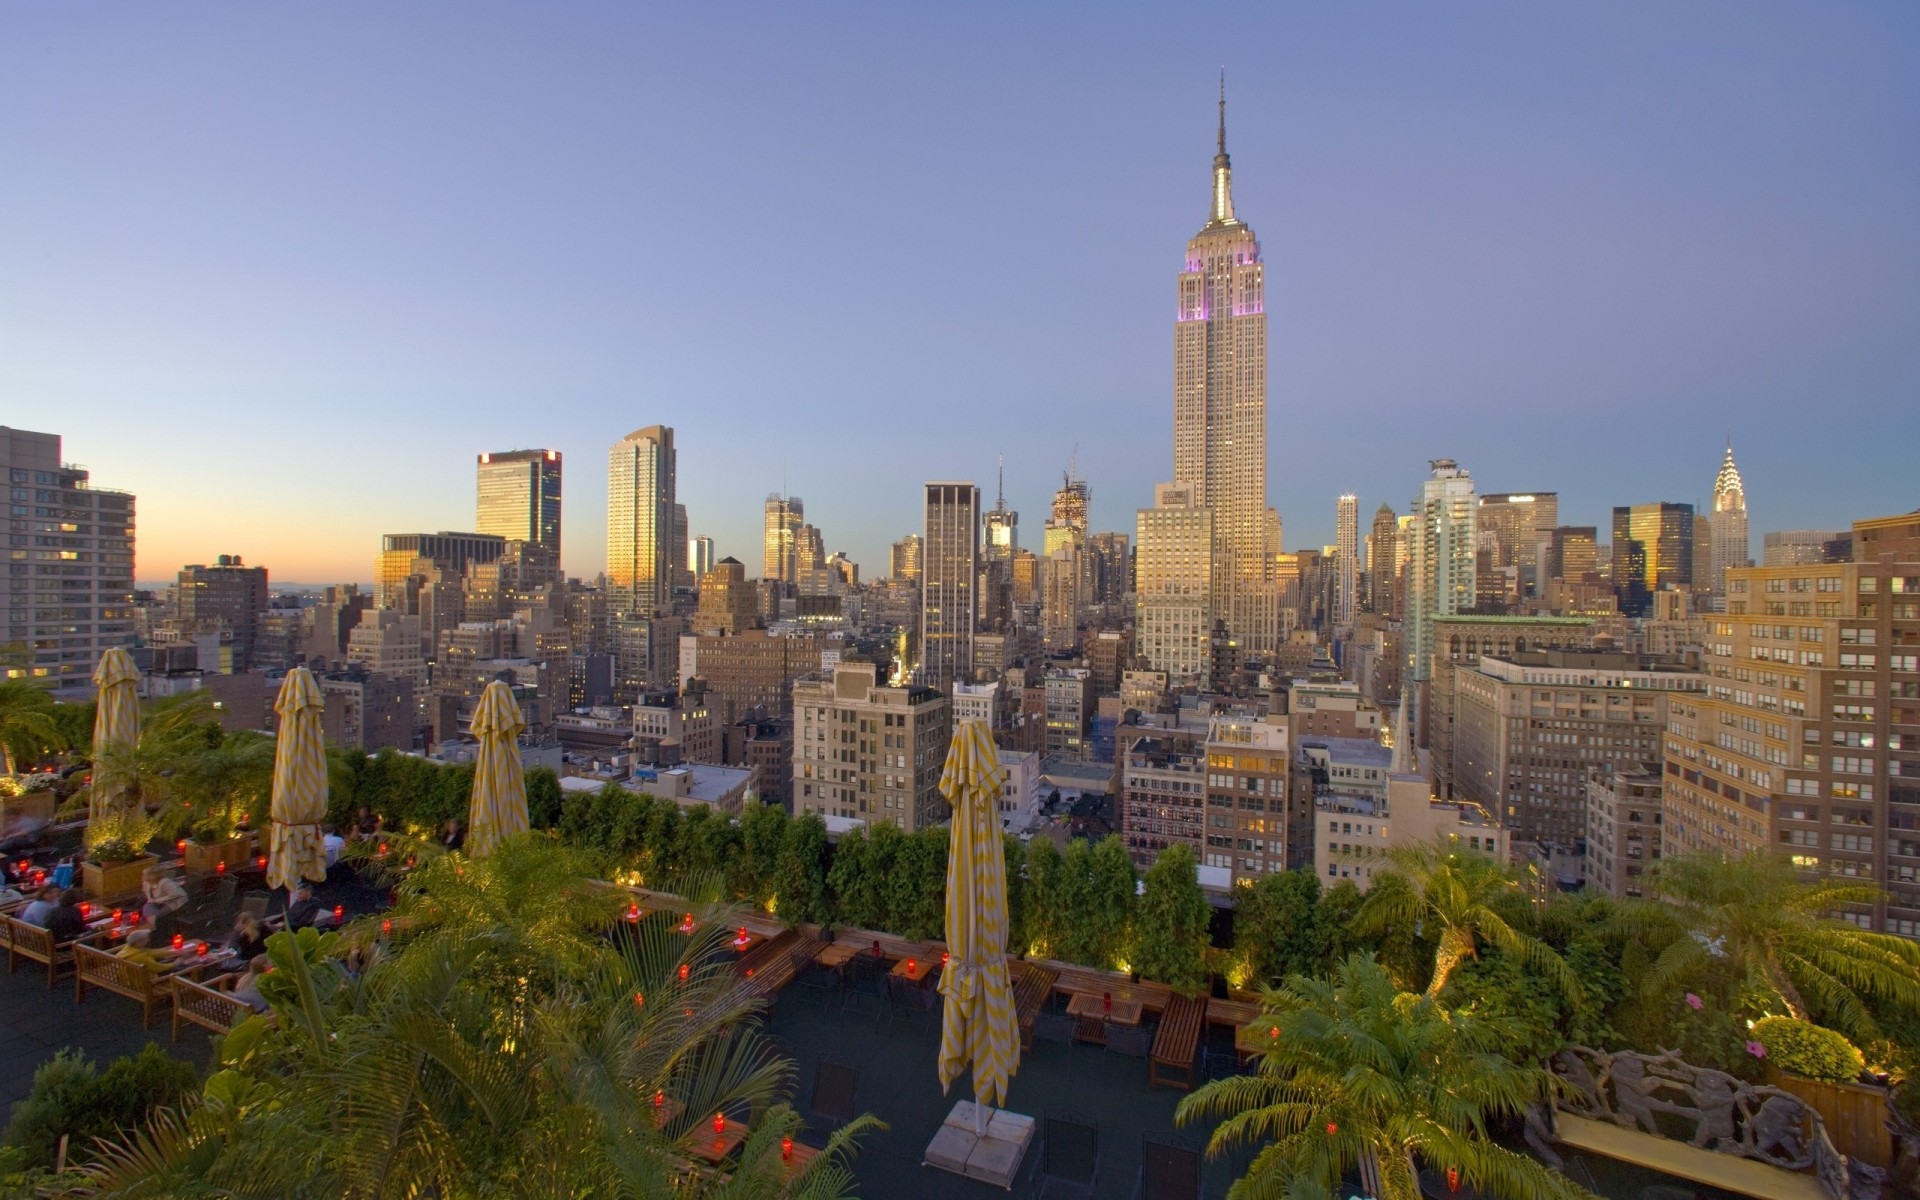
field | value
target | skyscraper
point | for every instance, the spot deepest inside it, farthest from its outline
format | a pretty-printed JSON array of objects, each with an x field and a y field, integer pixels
[
  {"x": 949, "y": 571},
  {"x": 906, "y": 558},
  {"x": 1520, "y": 523},
  {"x": 1729, "y": 524},
  {"x": 1652, "y": 550},
  {"x": 640, "y": 522},
  {"x": 1383, "y": 560},
  {"x": 1173, "y": 586},
  {"x": 700, "y": 555},
  {"x": 1440, "y": 565},
  {"x": 517, "y": 496},
  {"x": 784, "y": 515},
  {"x": 1220, "y": 406},
  {"x": 78, "y": 599},
  {"x": 225, "y": 595},
  {"x": 1002, "y": 526},
  {"x": 1346, "y": 564}
]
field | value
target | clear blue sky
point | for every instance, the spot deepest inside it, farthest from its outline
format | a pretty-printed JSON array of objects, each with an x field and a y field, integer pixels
[{"x": 283, "y": 270}]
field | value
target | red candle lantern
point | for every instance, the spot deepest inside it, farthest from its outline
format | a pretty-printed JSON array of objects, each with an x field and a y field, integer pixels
[
  {"x": 383, "y": 849},
  {"x": 200, "y": 949},
  {"x": 786, "y": 1149},
  {"x": 749, "y": 972},
  {"x": 1273, "y": 1031},
  {"x": 118, "y": 916},
  {"x": 683, "y": 972},
  {"x": 133, "y": 918},
  {"x": 220, "y": 868},
  {"x": 339, "y": 912},
  {"x": 178, "y": 941},
  {"x": 659, "y": 1099},
  {"x": 1453, "y": 1179},
  {"x": 1106, "y": 1002},
  {"x": 912, "y": 966},
  {"x": 1332, "y": 1129},
  {"x": 719, "y": 1122},
  {"x": 261, "y": 862},
  {"x": 386, "y": 926},
  {"x": 633, "y": 912},
  {"x": 86, "y": 910},
  {"x": 944, "y": 958},
  {"x": 181, "y": 846},
  {"x": 640, "y": 1000},
  {"x": 686, "y": 925}
]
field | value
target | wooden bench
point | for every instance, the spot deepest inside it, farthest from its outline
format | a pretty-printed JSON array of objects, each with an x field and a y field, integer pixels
[
  {"x": 97, "y": 968},
  {"x": 772, "y": 977},
  {"x": 766, "y": 953},
  {"x": 1177, "y": 1043},
  {"x": 31, "y": 941},
  {"x": 1032, "y": 984},
  {"x": 1232, "y": 1014},
  {"x": 210, "y": 1005}
]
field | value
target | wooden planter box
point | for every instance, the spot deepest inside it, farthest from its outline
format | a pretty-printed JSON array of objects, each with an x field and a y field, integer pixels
[
  {"x": 1855, "y": 1115},
  {"x": 36, "y": 805},
  {"x": 105, "y": 881},
  {"x": 205, "y": 859}
]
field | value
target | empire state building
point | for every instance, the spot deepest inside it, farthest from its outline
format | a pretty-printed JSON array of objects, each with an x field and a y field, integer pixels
[{"x": 1220, "y": 409}]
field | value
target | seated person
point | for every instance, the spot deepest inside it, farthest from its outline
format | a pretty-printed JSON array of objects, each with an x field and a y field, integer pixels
[
  {"x": 162, "y": 893},
  {"x": 65, "y": 922},
  {"x": 246, "y": 938},
  {"x": 333, "y": 844},
  {"x": 39, "y": 909},
  {"x": 18, "y": 831},
  {"x": 454, "y": 835},
  {"x": 247, "y": 988},
  {"x": 305, "y": 910},
  {"x": 365, "y": 824},
  {"x": 139, "y": 948}
]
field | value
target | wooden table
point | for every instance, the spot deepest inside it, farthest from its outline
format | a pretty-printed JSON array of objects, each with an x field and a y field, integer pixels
[
  {"x": 1094, "y": 1008},
  {"x": 915, "y": 969},
  {"x": 741, "y": 945},
  {"x": 1232, "y": 1012},
  {"x": 794, "y": 1163},
  {"x": 714, "y": 1147},
  {"x": 834, "y": 955}
]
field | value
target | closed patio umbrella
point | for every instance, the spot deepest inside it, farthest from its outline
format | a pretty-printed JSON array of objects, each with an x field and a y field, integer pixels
[
  {"x": 499, "y": 782},
  {"x": 978, "y": 1028},
  {"x": 116, "y": 731},
  {"x": 294, "y": 848}
]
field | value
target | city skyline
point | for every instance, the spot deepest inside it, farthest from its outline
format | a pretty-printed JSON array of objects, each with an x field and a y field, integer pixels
[{"x": 1585, "y": 300}]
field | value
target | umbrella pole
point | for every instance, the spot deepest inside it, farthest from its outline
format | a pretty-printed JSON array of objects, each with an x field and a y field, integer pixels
[{"x": 979, "y": 1113}]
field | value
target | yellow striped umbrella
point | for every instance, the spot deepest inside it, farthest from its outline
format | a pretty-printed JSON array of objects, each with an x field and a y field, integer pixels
[
  {"x": 978, "y": 1029},
  {"x": 116, "y": 730},
  {"x": 499, "y": 783},
  {"x": 294, "y": 849}
]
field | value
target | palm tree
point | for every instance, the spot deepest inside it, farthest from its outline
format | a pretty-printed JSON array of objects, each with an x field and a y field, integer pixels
[
  {"x": 497, "y": 1043},
  {"x": 1778, "y": 933},
  {"x": 27, "y": 725},
  {"x": 1365, "y": 1078},
  {"x": 1468, "y": 899}
]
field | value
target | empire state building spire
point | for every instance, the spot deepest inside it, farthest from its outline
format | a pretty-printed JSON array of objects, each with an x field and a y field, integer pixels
[{"x": 1222, "y": 169}]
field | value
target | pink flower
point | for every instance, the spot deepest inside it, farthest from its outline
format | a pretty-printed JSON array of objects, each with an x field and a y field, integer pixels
[
  {"x": 1756, "y": 1049},
  {"x": 1693, "y": 1002}
]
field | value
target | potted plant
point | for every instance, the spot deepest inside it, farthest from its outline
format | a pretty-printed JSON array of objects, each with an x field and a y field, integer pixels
[{"x": 116, "y": 853}]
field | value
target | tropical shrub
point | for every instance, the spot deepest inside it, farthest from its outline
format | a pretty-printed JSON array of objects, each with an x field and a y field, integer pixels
[
  {"x": 1809, "y": 1050},
  {"x": 1277, "y": 930},
  {"x": 72, "y": 1098}
]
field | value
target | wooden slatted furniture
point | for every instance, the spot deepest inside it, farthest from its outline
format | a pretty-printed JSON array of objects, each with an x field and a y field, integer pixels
[
  {"x": 1177, "y": 1043},
  {"x": 1032, "y": 984},
  {"x": 33, "y": 942},
  {"x": 765, "y": 953},
  {"x": 768, "y": 980},
  {"x": 210, "y": 1005},
  {"x": 97, "y": 968}
]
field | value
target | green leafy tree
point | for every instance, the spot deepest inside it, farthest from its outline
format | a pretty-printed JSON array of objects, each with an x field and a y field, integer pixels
[
  {"x": 1016, "y": 864},
  {"x": 859, "y": 897},
  {"x": 1170, "y": 923},
  {"x": 1363, "y": 1077},
  {"x": 70, "y": 1098},
  {"x": 1276, "y": 928},
  {"x": 1777, "y": 933},
  {"x": 763, "y": 831},
  {"x": 543, "y": 798},
  {"x": 800, "y": 877},
  {"x": 1047, "y": 916},
  {"x": 1467, "y": 899},
  {"x": 1097, "y": 887},
  {"x": 916, "y": 885}
]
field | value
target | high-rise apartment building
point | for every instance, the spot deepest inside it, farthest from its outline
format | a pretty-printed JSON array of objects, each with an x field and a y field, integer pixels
[
  {"x": 517, "y": 497},
  {"x": 1792, "y": 547},
  {"x": 1528, "y": 727},
  {"x": 1459, "y": 642},
  {"x": 1807, "y": 742},
  {"x": 1728, "y": 525},
  {"x": 1383, "y": 566},
  {"x": 1173, "y": 589},
  {"x": 640, "y": 522},
  {"x": 1652, "y": 550},
  {"x": 1623, "y": 830},
  {"x": 1519, "y": 525},
  {"x": 949, "y": 573},
  {"x": 865, "y": 751},
  {"x": 1346, "y": 560},
  {"x": 1441, "y": 563},
  {"x": 783, "y": 516},
  {"x": 1220, "y": 407},
  {"x": 700, "y": 555},
  {"x": 69, "y": 589},
  {"x": 224, "y": 595},
  {"x": 905, "y": 561}
]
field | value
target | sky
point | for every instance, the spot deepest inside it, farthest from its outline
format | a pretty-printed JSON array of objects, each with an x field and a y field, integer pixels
[{"x": 283, "y": 271}]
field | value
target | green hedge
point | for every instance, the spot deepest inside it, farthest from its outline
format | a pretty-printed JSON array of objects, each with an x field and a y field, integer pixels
[
  {"x": 1808, "y": 1050},
  {"x": 72, "y": 1098}
]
